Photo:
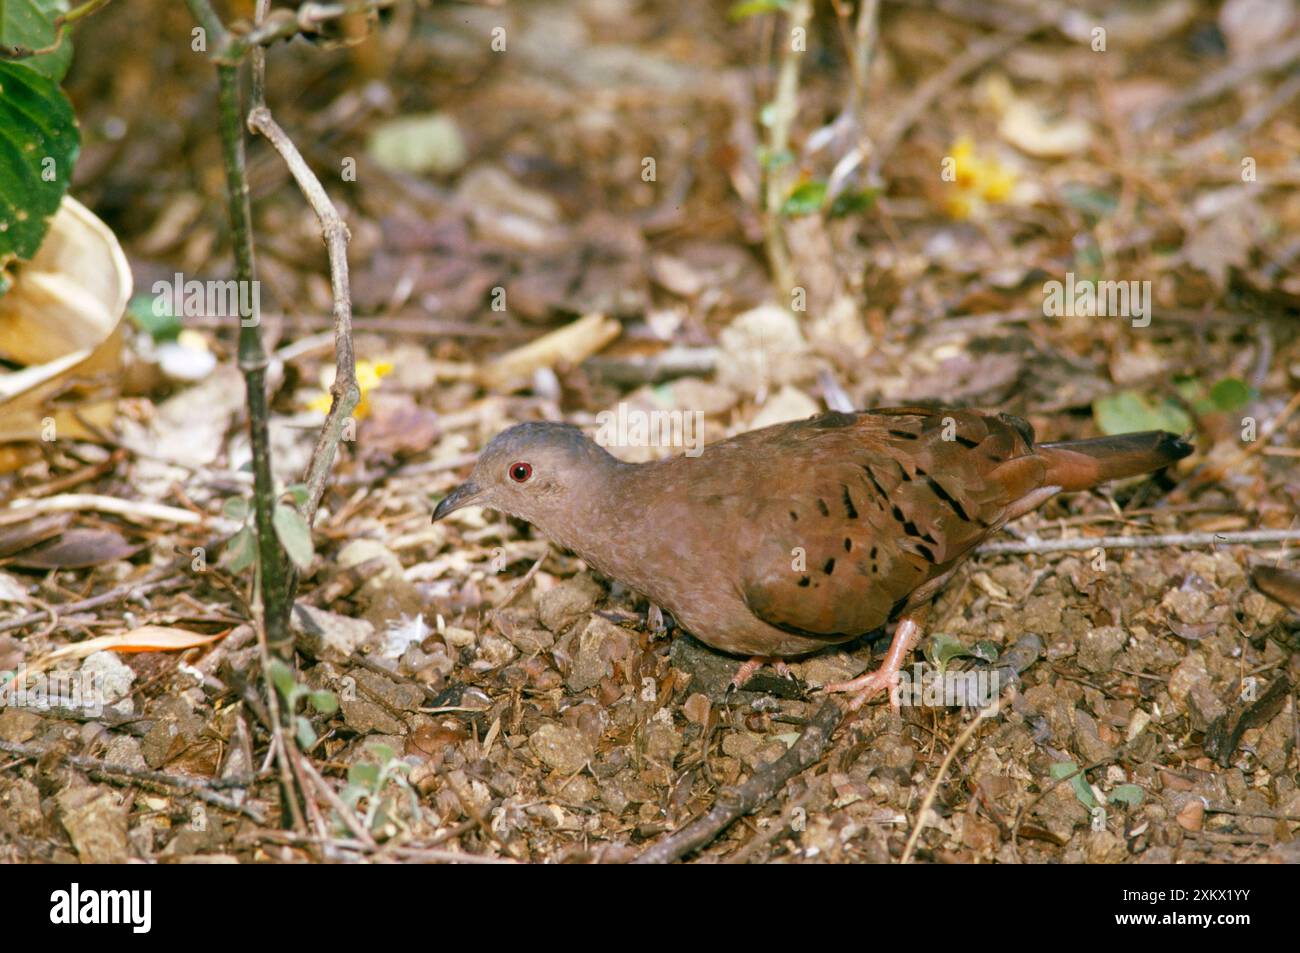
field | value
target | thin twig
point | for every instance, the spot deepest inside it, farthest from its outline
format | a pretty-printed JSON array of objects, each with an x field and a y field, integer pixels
[
  {"x": 1214, "y": 472},
  {"x": 1231, "y": 77},
  {"x": 308, "y": 18},
  {"x": 967, "y": 733},
  {"x": 1255, "y": 117},
  {"x": 139, "y": 509},
  {"x": 61, "y": 23},
  {"x": 127, "y": 591},
  {"x": 1160, "y": 541},
  {"x": 344, "y": 392},
  {"x": 519, "y": 586},
  {"x": 200, "y": 788},
  {"x": 765, "y": 784}
]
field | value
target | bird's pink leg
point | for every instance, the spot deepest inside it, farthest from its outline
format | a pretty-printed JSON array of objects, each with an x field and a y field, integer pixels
[
  {"x": 748, "y": 668},
  {"x": 906, "y": 636}
]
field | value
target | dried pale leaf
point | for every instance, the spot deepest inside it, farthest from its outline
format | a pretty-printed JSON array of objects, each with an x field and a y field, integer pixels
[
  {"x": 72, "y": 293},
  {"x": 27, "y": 396},
  {"x": 1251, "y": 26},
  {"x": 77, "y": 549},
  {"x": 571, "y": 345},
  {"x": 1029, "y": 131},
  {"x": 431, "y": 142},
  {"x": 29, "y": 532},
  {"x": 398, "y": 424},
  {"x": 1282, "y": 584},
  {"x": 146, "y": 638},
  {"x": 16, "y": 456},
  {"x": 12, "y": 590}
]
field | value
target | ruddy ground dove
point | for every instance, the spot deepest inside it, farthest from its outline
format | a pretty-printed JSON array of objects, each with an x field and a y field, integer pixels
[{"x": 782, "y": 541}]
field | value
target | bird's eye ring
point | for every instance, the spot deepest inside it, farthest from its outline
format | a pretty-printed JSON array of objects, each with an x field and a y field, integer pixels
[{"x": 520, "y": 472}]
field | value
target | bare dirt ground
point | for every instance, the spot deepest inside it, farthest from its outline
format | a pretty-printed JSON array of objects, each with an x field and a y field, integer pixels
[{"x": 488, "y": 706}]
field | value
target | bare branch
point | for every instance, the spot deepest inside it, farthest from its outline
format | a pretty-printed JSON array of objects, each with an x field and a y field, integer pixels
[{"x": 1160, "y": 541}]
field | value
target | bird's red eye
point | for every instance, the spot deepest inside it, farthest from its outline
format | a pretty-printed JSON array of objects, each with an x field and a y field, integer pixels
[{"x": 520, "y": 472}]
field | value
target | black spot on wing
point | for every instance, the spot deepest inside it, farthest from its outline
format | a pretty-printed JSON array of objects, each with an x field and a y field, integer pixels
[
  {"x": 849, "y": 508},
  {"x": 947, "y": 498}
]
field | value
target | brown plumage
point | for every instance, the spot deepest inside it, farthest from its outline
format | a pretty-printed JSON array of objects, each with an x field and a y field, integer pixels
[{"x": 781, "y": 541}]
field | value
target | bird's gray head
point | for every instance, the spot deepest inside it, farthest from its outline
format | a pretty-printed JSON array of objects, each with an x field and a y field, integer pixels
[{"x": 532, "y": 471}]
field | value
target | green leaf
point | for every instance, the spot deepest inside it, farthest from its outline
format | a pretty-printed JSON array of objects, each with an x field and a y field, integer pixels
[
  {"x": 381, "y": 752},
  {"x": 299, "y": 493},
  {"x": 773, "y": 160},
  {"x": 282, "y": 677},
  {"x": 942, "y": 649},
  {"x": 1130, "y": 795},
  {"x": 985, "y": 651},
  {"x": 430, "y": 142},
  {"x": 1092, "y": 202},
  {"x": 807, "y": 197},
  {"x": 241, "y": 551},
  {"x": 306, "y": 733},
  {"x": 236, "y": 508},
  {"x": 751, "y": 8},
  {"x": 324, "y": 702},
  {"x": 38, "y": 146},
  {"x": 1129, "y": 411},
  {"x": 294, "y": 533},
  {"x": 29, "y": 24},
  {"x": 1082, "y": 790},
  {"x": 160, "y": 327},
  {"x": 364, "y": 775},
  {"x": 849, "y": 203},
  {"x": 1230, "y": 394}
]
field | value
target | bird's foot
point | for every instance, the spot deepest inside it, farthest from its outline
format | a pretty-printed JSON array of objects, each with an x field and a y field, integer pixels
[
  {"x": 865, "y": 686},
  {"x": 886, "y": 677},
  {"x": 654, "y": 621},
  {"x": 748, "y": 668}
]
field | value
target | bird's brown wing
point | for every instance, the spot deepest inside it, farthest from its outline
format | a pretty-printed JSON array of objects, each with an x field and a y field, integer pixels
[{"x": 875, "y": 505}]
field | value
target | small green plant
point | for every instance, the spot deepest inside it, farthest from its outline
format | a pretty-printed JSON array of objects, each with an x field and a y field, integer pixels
[
  {"x": 942, "y": 649},
  {"x": 290, "y": 527},
  {"x": 292, "y": 693},
  {"x": 381, "y": 783}
]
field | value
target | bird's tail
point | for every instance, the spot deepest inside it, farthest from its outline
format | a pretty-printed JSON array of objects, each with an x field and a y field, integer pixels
[{"x": 1081, "y": 464}]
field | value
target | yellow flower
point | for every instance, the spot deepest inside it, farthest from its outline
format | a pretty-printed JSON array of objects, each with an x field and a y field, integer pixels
[
  {"x": 976, "y": 180},
  {"x": 369, "y": 374}
]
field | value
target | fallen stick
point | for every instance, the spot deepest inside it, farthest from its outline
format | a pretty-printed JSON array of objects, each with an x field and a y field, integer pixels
[
  {"x": 1084, "y": 544},
  {"x": 765, "y": 784},
  {"x": 200, "y": 788},
  {"x": 967, "y": 733},
  {"x": 113, "y": 595},
  {"x": 138, "y": 509}
]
